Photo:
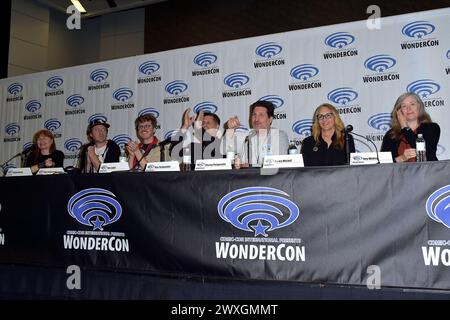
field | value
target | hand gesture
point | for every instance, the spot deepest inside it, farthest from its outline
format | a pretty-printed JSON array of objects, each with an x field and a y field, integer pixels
[
  {"x": 233, "y": 123},
  {"x": 401, "y": 119},
  {"x": 91, "y": 151},
  {"x": 49, "y": 163},
  {"x": 409, "y": 153},
  {"x": 132, "y": 146},
  {"x": 199, "y": 120},
  {"x": 187, "y": 119}
]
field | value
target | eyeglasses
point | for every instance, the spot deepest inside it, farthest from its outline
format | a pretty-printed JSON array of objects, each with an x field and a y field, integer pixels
[
  {"x": 144, "y": 126},
  {"x": 325, "y": 116}
]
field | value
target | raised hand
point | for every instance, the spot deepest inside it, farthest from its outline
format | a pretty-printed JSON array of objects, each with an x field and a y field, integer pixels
[
  {"x": 187, "y": 119},
  {"x": 233, "y": 123},
  {"x": 401, "y": 119}
]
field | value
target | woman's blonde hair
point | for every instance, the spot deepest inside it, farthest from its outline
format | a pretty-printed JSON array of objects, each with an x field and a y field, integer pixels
[
  {"x": 338, "y": 129},
  {"x": 424, "y": 117}
]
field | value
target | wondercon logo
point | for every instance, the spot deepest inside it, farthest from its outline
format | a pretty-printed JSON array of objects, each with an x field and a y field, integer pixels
[
  {"x": 380, "y": 121},
  {"x": 94, "y": 207},
  {"x": 148, "y": 67},
  {"x": 342, "y": 96},
  {"x": 52, "y": 124},
  {"x": 205, "y": 59},
  {"x": 121, "y": 140},
  {"x": 150, "y": 111},
  {"x": 123, "y": 94},
  {"x": 170, "y": 134},
  {"x": 304, "y": 72},
  {"x": 12, "y": 129},
  {"x": 176, "y": 87},
  {"x": 258, "y": 209},
  {"x": 236, "y": 80},
  {"x": 73, "y": 144},
  {"x": 303, "y": 127},
  {"x": 15, "y": 88},
  {"x": 98, "y": 116},
  {"x": 99, "y": 75},
  {"x": 339, "y": 40},
  {"x": 33, "y": 106},
  {"x": 75, "y": 100},
  {"x": 380, "y": 63},
  {"x": 276, "y": 100},
  {"x": 268, "y": 50},
  {"x": 205, "y": 107},
  {"x": 423, "y": 88},
  {"x": 418, "y": 29},
  {"x": 54, "y": 82},
  {"x": 27, "y": 145},
  {"x": 438, "y": 206}
]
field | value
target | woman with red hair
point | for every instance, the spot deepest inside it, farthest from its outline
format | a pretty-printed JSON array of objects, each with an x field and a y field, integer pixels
[{"x": 44, "y": 154}]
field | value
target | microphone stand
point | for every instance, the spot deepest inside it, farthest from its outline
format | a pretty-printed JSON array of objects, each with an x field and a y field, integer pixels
[
  {"x": 249, "y": 154},
  {"x": 347, "y": 146},
  {"x": 6, "y": 162},
  {"x": 376, "y": 150}
]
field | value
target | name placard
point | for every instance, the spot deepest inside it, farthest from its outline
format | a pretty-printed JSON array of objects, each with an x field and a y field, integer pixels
[
  {"x": 213, "y": 164},
  {"x": 284, "y": 161},
  {"x": 162, "y": 166},
  {"x": 19, "y": 172},
  {"x": 370, "y": 158},
  {"x": 113, "y": 167},
  {"x": 48, "y": 171}
]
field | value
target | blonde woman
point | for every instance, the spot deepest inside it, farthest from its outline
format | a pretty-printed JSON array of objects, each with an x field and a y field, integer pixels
[
  {"x": 408, "y": 119},
  {"x": 326, "y": 145}
]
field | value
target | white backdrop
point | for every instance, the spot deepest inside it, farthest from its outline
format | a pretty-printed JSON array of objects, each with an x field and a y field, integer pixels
[{"x": 360, "y": 71}]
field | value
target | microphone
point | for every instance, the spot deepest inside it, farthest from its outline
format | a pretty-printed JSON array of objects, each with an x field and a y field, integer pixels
[
  {"x": 26, "y": 151},
  {"x": 29, "y": 149},
  {"x": 164, "y": 142},
  {"x": 20, "y": 154},
  {"x": 250, "y": 135},
  {"x": 247, "y": 141},
  {"x": 349, "y": 128}
]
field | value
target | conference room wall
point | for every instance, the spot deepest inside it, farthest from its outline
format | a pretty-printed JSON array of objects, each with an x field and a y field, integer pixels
[
  {"x": 179, "y": 23},
  {"x": 28, "y": 48},
  {"x": 40, "y": 39}
]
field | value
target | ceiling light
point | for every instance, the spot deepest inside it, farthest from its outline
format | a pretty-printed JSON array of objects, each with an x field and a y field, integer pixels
[{"x": 79, "y": 6}]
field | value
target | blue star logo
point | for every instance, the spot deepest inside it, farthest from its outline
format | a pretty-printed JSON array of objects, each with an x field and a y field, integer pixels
[
  {"x": 98, "y": 224},
  {"x": 260, "y": 229}
]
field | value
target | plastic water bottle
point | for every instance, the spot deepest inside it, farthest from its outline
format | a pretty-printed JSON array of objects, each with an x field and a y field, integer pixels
[
  {"x": 230, "y": 153},
  {"x": 420, "y": 148},
  {"x": 292, "y": 149},
  {"x": 186, "y": 164},
  {"x": 123, "y": 155}
]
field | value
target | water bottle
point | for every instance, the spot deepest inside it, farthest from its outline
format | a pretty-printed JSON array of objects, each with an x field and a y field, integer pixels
[
  {"x": 123, "y": 155},
  {"x": 186, "y": 164},
  {"x": 230, "y": 153},
  {"x": 292, "y": 149},
  {"x": 420, "y": 148}
]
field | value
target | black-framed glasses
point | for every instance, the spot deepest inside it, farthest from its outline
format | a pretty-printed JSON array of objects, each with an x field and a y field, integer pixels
[{"x": 325, "y": 116}]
